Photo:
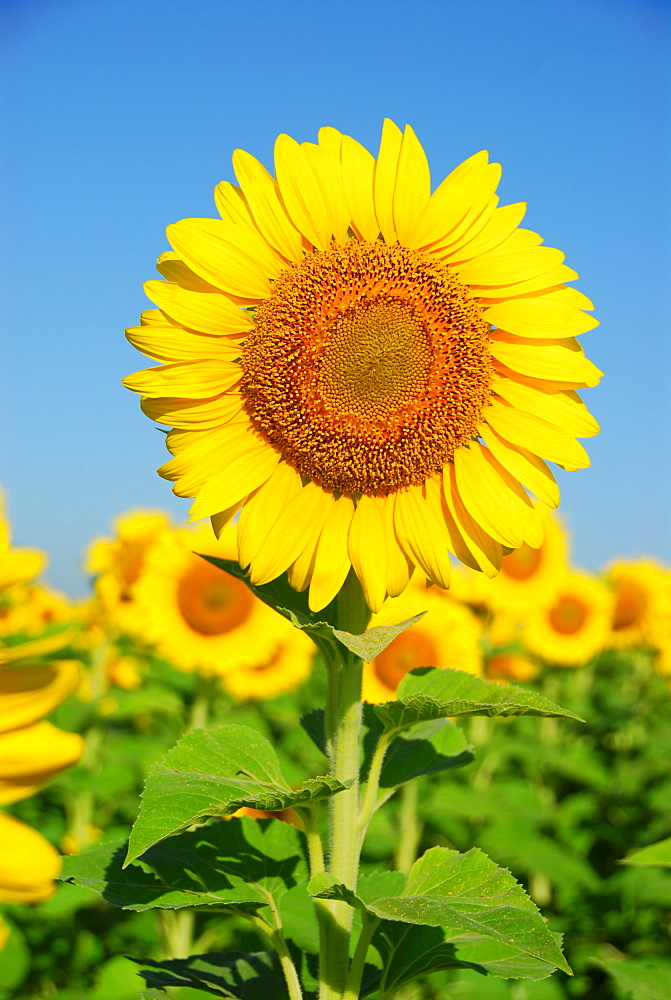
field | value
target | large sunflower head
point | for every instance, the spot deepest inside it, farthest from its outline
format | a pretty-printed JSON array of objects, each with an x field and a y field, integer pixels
[{"x": 372, "y": 372}]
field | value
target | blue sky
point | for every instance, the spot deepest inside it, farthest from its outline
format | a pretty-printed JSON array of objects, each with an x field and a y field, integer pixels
[{"x": 122, "y": 116}]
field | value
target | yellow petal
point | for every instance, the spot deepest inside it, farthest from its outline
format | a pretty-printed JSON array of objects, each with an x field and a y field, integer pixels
[
  {"x": 398, "y": 567},
  {"x": 499, "y": 224},
  {"x": 326, "y": 167},
  {"x": 536, "y": 435},
  {"x": 263, "y": 510},
  {"x": 451, "y": 200},
  {"x": 332, "y": 562},
  {"x": 413, "y": 186},
  {"x": 301, "y": 192},
  {"x": 247, "y": 462},
  {"x": 298, "y": 527},
  {"x": 208, "y": 312},
  {"x": 523, "y": 465},
  {"x": 29, "y": 692},
  {"x": 33, "y": 755},
  {"x": 539, "y": 317},
  {"x": 358, "y": 168},
  {"x": 20, "y": 566},
  {"x": 422, "y": 533},
  {"x": 384, "y": 179},
  {"x": 185, "y": 379},
  {"x": 201, "y": 415},
  {"x": 29, "y": 649},
  {"x": 505, "y": 267},
  {"x": 366, "y": 549},
  {"x": 563, "y": 408},
  {"x": 28, "y": 863},
  {"x": 173, "y": 268},
  {"x": 491, "y": 496},
  {"x": 486, "y": 552},
  {"x": 562, "y": 362},
  {"x": 540, "y": 283},
  {"x": 300, "y": 572},
  {"x": 172, "y": 343},
  {"x": 261, "y": 192},
  {"x": 220, "y": 520},
  {"x": 235, "y": 259},
  {"x": 478, "y": 213},
  {"x": 231, "y": 203},
  {"x": 330, "y": 138}
]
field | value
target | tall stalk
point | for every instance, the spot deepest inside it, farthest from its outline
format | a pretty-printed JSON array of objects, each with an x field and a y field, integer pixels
[{"x": 343, "y": 735}]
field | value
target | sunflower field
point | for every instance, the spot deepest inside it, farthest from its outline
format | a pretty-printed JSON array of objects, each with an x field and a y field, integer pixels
[
  {"x": 558, "y": 803},
  {"x": 364, "y": 730}
]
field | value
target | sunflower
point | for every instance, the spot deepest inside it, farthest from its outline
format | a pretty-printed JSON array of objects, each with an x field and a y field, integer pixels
[
  {"x": 31, "y": 752},
  {"x": 529, "y": 574},
  {"x": 574, "y": 626},
  {"x": 504, "y": 666},
  {"x": 201, "y": 619},
  {"x": 642, "y": 614},
  {"x": 117, "y": 563},
  {"x": 372, "y": 373},
  {"x": 447, "y": 636}
]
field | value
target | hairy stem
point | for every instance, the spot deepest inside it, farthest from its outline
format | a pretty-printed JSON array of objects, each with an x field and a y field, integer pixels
[{"x": 343, "y": 733}]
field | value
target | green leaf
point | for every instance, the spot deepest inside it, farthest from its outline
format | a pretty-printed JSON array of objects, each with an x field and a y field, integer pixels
[
  {"x": 408, "y": 952},
  {"x": 645, "y": 980},
  {"x": 278, "y": 594},
  {"x": 257, "y": 976},
  {"x": 372, "y": 642},
  {"x": 467, "y": 895},
  {"x": 653, "y": 856},
  {"x": 211, "y": 773},
  {"x": 430, "y": 748},
  {"x": 239, "y": 863},
  {"x": 434, "y": 693}
]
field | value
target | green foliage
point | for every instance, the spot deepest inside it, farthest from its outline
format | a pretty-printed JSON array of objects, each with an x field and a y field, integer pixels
[
  {"x": 466, "y": 895},
  {"x": 653, "y": 856},
  {"x": 236, "y": 863},
  {"x": 575, "y": 812},
  {"x": 430, "y": 693},
  {"x": 256, "y": 976},
  {"x": 214, "y": 772}
]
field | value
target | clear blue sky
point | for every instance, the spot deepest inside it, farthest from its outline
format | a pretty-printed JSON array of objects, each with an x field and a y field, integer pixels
[{"x": 122, "y": 116}]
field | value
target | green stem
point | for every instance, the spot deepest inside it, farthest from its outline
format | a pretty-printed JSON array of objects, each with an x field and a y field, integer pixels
[
  {"x": 200, "y": 707},
  {"x": 276, "y": 937},
  {"x": 343, "y": 734},
  {"x": 177, "y": 932},
  {"x": 353, "y": 985},
  {"x": 410, "y": 828},
  {"x": 315, "y": 849},
  {"x": 370, "y": 799}
]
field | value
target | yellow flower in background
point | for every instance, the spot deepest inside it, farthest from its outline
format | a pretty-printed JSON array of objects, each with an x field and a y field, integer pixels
[
  {"x": 447, "y": 636},
  {"x": 17, "y": 565},
  {"x": 508, "y": 666},
  {"x": 201, "y": 618},
  {"x": 288, "y": 667},
  {"x": 28, "y": 863},
  {"x": 529, "y": 574},
  {"x": 642, "y": 613},
  {"x": 372, "y": 373},
  {"x": 117, "y": 563},
  {"x": 32, "y": 751},
  {"x": 574, "y": 626},
  {"x": 31, "y": 608}
]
